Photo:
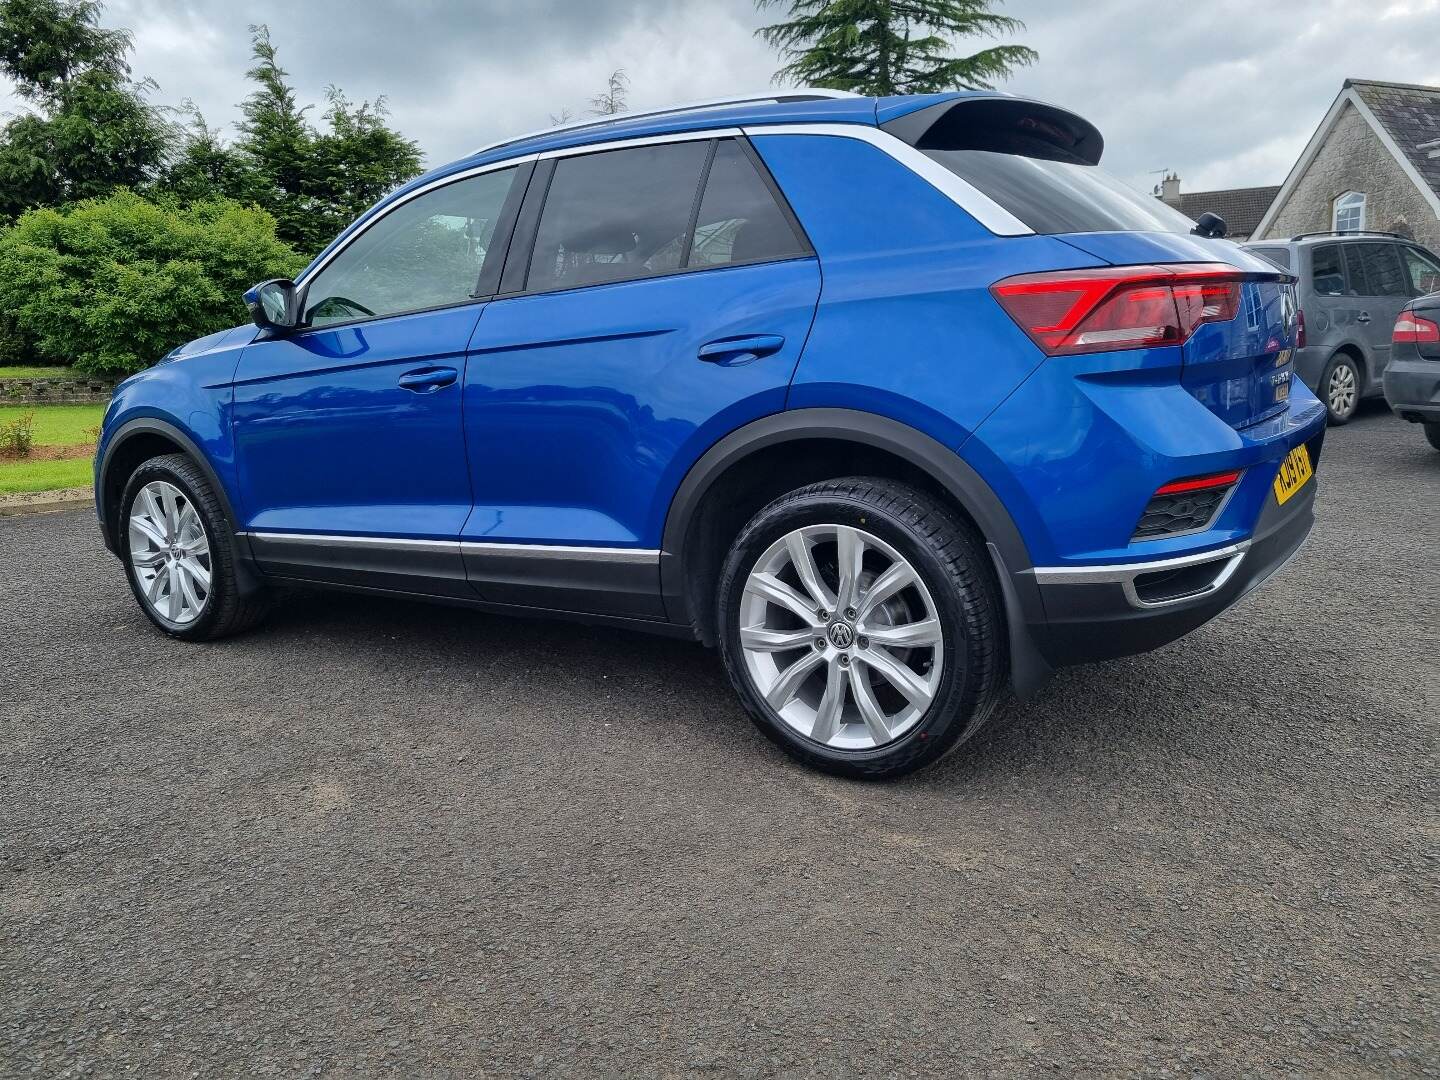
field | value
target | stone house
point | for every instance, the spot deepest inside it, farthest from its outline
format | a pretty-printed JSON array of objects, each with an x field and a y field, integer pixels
[
  {"x": 1373, "y": 164},
  {"x": 1242, "y": 208}
]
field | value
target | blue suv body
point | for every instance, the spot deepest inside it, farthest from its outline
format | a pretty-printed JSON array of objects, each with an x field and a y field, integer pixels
[{"x": 893, "y": 400}]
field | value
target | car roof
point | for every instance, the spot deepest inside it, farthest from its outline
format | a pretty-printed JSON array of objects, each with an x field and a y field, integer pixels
[{"x": 1308, "y": 239}]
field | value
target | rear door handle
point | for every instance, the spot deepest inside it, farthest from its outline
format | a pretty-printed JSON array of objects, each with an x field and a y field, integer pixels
[
  {"x": 428, "y": 380},
  {"x": 1364, "y": 316},
  {"x": 732, "y": 352}
]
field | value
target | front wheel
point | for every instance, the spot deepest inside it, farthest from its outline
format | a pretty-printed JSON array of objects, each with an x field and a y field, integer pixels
[
  {"x": 860, "y": 626},
  {"x": 179, "y": 553},
  {"x": 1341, "y": 383}
]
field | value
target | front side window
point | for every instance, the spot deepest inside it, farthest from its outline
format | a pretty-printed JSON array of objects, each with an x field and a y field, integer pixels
[
  {"x": 1350, "y": 212},
  {"x": 1424, "y": 272},
  {"x": 426, "y": 253},
  {"x": 1326, "y": 272},
  {"x": 616, "y": 215}
]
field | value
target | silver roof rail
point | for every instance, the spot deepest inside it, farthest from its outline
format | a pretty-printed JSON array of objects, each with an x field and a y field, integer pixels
[{"x": 804, "y": 93}]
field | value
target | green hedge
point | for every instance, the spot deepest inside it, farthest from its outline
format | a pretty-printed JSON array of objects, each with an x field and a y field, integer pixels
[{"x": 110, "y": 285}]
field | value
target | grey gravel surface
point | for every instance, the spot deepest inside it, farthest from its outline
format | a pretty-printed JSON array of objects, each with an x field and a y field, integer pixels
[{"x": 377, "y": 838}]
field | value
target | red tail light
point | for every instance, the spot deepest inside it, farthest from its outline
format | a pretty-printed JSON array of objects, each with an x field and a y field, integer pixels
[
  {"x": 1300, "y": 328},
  {"x": 1121, "y": 307},
  {"x": 1413, "y": 329},
  {"x": 1199, "y": 483}
]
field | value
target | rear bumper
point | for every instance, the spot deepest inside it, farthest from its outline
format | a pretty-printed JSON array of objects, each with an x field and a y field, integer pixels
[
  {"x": 1412, "y": 387},
  {"x": 1098, "y": 613}
]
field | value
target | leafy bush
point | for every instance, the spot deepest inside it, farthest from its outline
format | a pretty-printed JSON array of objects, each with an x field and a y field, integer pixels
[
  {"x": 110, "y": 285},
  {"x": 17, "y": 436}
]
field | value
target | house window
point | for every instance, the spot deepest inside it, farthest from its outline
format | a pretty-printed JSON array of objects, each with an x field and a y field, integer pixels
[{"x": 1350, "y": 212}]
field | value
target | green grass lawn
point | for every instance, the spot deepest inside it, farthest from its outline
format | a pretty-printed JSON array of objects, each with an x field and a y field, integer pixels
[
  {"x": 58, "y": 425},
  {"x": 22, "y": 475},
  {"x": 21, "y": 371}
]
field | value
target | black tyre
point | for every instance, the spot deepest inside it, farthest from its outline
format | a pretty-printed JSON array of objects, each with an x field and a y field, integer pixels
[
  {"x": 860, "y": 624},
  {"x": 179, "y": 553},
  {"x": 1340, "y": 387},
  {"x": 1432, "y": 434}
]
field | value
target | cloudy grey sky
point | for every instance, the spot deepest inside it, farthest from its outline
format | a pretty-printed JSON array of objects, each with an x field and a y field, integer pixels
[{"x": 1226, "y": 92}]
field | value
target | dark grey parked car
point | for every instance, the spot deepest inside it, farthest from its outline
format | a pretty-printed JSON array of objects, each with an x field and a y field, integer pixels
[
  {"x": 1412, "y": 381},
  {"x": 1351, "y": 288}
]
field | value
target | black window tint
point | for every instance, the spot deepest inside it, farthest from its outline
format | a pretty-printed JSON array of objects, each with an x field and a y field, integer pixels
[
  {"x": 1383, "y": 270},
  {"x": 1424, "y": 272},
  {"x": 1326, "y": 273},
  {"x": 425, "y": 253},
  {"x": 1278, "y": 255},
  {"x": 1061, "y": 196},
  {"x": 739, "y": 220},
  {"x": 616, "y": 215},
  {"x": 1355, "y": 271}
]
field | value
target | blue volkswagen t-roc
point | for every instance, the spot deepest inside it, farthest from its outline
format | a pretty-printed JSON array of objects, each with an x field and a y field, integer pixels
[{"x": 895, "y": 401}]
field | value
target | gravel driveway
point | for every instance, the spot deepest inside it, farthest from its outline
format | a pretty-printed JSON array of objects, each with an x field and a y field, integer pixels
[{"x": 382, "y": 838}]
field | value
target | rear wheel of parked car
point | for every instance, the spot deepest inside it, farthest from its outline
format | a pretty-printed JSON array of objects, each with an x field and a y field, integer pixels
[
  {"x": 1340, "y": 387},
  {"x": 1432, "y": 434},
  {"x": 179, "y": 552},
  {"x": 860, "y": 624}
]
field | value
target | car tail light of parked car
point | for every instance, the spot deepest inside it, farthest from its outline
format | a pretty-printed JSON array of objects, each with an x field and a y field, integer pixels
[
  {"x": 1128, "y": 307},
  {"x": 1414, "y": 329}
]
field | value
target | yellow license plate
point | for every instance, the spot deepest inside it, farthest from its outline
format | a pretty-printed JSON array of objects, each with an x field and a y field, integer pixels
[{"x": 1294, "y": 472}]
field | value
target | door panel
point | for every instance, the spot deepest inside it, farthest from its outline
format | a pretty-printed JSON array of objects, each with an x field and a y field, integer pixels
[
  {"x": 330, "y": 440},
  {"x": 584, "y": 409}
]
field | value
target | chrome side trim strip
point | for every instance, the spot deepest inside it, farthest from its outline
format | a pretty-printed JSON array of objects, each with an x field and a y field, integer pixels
[
  {"x": 524, "y": 551},
  {"x": 969, "y": 198},
  {"x": 560, "y": 551},
  {"x": 1124, "y": 574},
  {"x": 640, "y": 140}
]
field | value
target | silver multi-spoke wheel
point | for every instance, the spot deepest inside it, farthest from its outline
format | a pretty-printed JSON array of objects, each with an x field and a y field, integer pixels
[
  {"x": 1342, "y": 389},
  {"x": 170, "y": 552},
  {"x": 841, "y": 637}
]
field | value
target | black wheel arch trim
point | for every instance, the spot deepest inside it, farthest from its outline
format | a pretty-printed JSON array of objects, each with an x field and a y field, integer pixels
[
  {"x": 947, "y": 467},
  {"x": 150, "y": 425}
]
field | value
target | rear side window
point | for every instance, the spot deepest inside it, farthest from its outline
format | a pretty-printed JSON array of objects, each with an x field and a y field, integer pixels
[
  {"x": 1424, "y": 272},
  {"x": 1355, "y": 271},
  {"x": 1327, "y": 274},
  {"x": 1383, "y": 270},
  {"x": 1278, "y": 255},
  {"x": 617, "y": 215},
  {"x": 1053, "y": 196},
  {"x": 739, "y": 220}
]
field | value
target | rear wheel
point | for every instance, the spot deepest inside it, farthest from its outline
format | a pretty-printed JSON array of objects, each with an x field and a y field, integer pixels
[
  {"x": 1340, "y": 384},
  {"x": 179, "y": 553},
  {"x": 1432, "y": 434},
  {"x": 860, "y": 626}
]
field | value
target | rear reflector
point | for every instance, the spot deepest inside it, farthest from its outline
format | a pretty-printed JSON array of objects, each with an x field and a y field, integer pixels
[
  {"x": 1414, "y": 329},
  {"x": 1121, "y": 307},
  {"x": 1199, "y": 483}
]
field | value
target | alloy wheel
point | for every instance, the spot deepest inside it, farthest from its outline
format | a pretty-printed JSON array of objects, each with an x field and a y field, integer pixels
[
  {"x": 841, "y": 637},
  {"x": 169, "y": 552},
  {"x": 1341, "y": 390}
]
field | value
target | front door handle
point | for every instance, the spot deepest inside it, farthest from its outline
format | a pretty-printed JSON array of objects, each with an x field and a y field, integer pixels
[
  {"x": 428, "y": 380},
  {"x": 732, "y": 352}
]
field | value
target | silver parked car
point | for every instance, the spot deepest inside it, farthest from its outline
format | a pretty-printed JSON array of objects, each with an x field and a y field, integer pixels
[{"x": 1351, "y": 288}]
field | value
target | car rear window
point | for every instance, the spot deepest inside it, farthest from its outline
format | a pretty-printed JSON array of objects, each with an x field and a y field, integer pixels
[
  {"x": 1053, "y": 196},
  {"x": 1327, "y": 275},
  {"x": 1278, "y": 255}
]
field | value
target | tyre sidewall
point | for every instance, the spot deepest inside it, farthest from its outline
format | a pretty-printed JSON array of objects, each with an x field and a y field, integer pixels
[
  {"x": 1335, "y": 362},
  {"x": 947, "y": 722},
  {"x": 215, "y": 535}
]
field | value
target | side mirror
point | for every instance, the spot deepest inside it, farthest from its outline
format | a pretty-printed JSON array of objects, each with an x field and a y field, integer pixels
[{"x": 274, "y": 305}]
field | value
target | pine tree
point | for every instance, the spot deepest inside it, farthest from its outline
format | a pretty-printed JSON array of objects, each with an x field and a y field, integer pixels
[
  {"x": 89, "y": 129},
  {"x": 884, "y": 47},
  {"x": 611, "y": 100}
]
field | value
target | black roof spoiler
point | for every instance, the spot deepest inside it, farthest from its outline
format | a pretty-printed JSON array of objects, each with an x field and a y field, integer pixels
[{"x": 1003, "y": 125}]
